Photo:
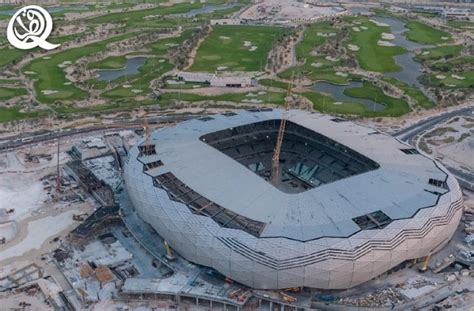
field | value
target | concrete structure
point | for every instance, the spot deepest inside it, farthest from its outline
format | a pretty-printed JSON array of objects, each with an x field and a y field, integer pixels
[
  {"x": 234, "y": 80},
  {"x": 350, "y": 204}
]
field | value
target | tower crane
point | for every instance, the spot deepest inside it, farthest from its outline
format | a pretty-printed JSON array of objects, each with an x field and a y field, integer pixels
[{"x": 281, "y": 133}]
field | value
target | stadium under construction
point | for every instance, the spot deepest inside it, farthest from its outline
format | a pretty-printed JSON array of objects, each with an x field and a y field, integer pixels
[{"x": 349, "y": 202}]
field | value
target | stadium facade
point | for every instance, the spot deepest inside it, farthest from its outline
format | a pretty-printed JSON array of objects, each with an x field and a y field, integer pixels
[{"x": 351, "y": 203}]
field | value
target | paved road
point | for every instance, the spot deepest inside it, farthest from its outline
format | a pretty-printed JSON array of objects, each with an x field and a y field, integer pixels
[
  {"x": 466, "y": 179},
  {"x": 407, "y": 134},
  {"x": 11, "y": 143}
]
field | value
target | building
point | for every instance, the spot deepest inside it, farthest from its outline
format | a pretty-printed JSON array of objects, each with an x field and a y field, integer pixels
[
  {"x": 221, "y": 80},
  {"x": 350, "y": 204}
]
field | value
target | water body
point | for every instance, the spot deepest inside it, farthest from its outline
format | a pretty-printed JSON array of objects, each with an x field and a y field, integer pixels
[
  {"x": 52, "y": 9},
  {"x": 411, "y": 69},
  {"x": 131, "y": 67},
  {"x": 337, "y": 92},
  {"x": 208, "y": 8}
]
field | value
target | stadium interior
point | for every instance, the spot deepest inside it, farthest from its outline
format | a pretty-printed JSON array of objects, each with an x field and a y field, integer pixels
[{"x": 308, "y": 159}]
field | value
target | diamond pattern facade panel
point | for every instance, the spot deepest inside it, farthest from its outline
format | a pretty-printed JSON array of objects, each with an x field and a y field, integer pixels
[{"x": 346, "y": 208}]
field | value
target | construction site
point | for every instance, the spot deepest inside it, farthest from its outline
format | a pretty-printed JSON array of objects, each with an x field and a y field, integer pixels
[{"x": 98, "y": 238}]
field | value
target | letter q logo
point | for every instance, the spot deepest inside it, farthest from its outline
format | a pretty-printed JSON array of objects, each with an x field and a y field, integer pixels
[{"x": 29, "y": 27}]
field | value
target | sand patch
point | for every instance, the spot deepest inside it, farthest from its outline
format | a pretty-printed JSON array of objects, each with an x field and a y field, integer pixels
[
  {"x": 126, "y": 86},
  {"x": 326, "y": 34},
  {"x": 426, "y": 53},
  {"x": 30, "y": 72},
  {"x": 385, "y": 43},
  {"x": 337, "y": 103},
  {"x": 332, "y": 59},
  {"x": 458, "y": 77},
  {"x": 341, "y": 74},
  {"x": 136, "y": 91},
  {"x": 364, "y": 28},
  {"x": 252, "y": 48},
  {"x": 247, "y": 43},
  {"x": 224, "y": 38},
  {"x": 444, "y": 38},
  {"x": 440, "y": 77},
  {"x": 49, "y": 92},
  {"x": 353, "y": 47},
  {"x": 67, "y": 83},
  {"x": 356, "y": 29},
  {"x": 316, "y": 65},
  {"x": 380, "y": 24},
  {"x": 47, "y": 57},
  {"x": 222, "y": 68},
  {"x": 388, "y": 36}
]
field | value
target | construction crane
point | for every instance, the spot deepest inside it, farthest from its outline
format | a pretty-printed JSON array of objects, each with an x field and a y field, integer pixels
[
  {"x": 281, "y": 133},
  {"x": 58, "y": 173}
]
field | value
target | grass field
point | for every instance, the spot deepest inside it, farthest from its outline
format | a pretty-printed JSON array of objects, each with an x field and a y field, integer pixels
[
  {"x": 370, "y": 55},
  {"x": 111, "y": 62},
  {"x": 468, "y": 25},
  {"x": 327, "y": 104},
  {"x": 415, "y": 93},
  {"x": 446, "y": 51},
  {"x": 8, "y": 92},
  {"x": 273, "y": 83},
  {"x": 268, "y": 98},
  {"x": 50, "y": 77},
  {"x": 467, "y": 80},
  {"x": 394, "y": 107},
  {"x": 14, "y": 113},
  {"x": 314, "y": 67},
  {"x": 422, "y": 33},
  {"x": 225, "y": 47}
]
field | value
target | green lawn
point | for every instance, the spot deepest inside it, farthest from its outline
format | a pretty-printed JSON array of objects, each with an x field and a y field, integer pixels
[
  {"x": 446, "y": 51},
  {"x": 268, "y": 98},
  {"x": 370, "y": 55},
  {"x": 273, "y": 83},
  {"x": 450, "y": 81},
  {"x": 8, "y": 92},
  {"x": 225, "y": 47},
  {"x": 327, "y": 104},
  {"x": 394, "y": 107},
  {"x": 111, "y": 62},
  {"x": 415, "y": 93},
  {"x": 14, "y": 113},
  {"x": 50, "y": 77},
  {"x": 422, "y": 33},
  {"x": 468, "y": 25}
]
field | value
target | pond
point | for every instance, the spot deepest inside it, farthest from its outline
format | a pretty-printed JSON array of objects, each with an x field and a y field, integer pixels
[
  {"x": 411, "y": 69},
  {"x": 131, "y": 67},
  {"x": 337, "y": 92},
  {"x": 208, "y": 8}
]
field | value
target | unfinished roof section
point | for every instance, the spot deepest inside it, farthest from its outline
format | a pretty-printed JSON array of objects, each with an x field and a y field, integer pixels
[{"x": 308, "y": 159}]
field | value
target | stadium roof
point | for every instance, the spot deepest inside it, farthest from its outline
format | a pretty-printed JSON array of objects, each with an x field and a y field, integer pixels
[{"x": 398, "y": 188}]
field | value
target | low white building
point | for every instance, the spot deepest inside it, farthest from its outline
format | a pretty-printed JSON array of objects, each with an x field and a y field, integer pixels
[{"x": 221, "y": 80}]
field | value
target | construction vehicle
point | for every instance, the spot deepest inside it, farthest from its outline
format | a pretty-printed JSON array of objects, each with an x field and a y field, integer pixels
[
  {"x": 243, "y": 297},
  {"x": 287, "y": 298},
  {"x": 169, "y": 252},
  {"x": 281, "y": 133}
]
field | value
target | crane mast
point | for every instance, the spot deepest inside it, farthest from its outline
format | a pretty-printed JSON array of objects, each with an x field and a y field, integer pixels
[{"x": 281, "y": 133}]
